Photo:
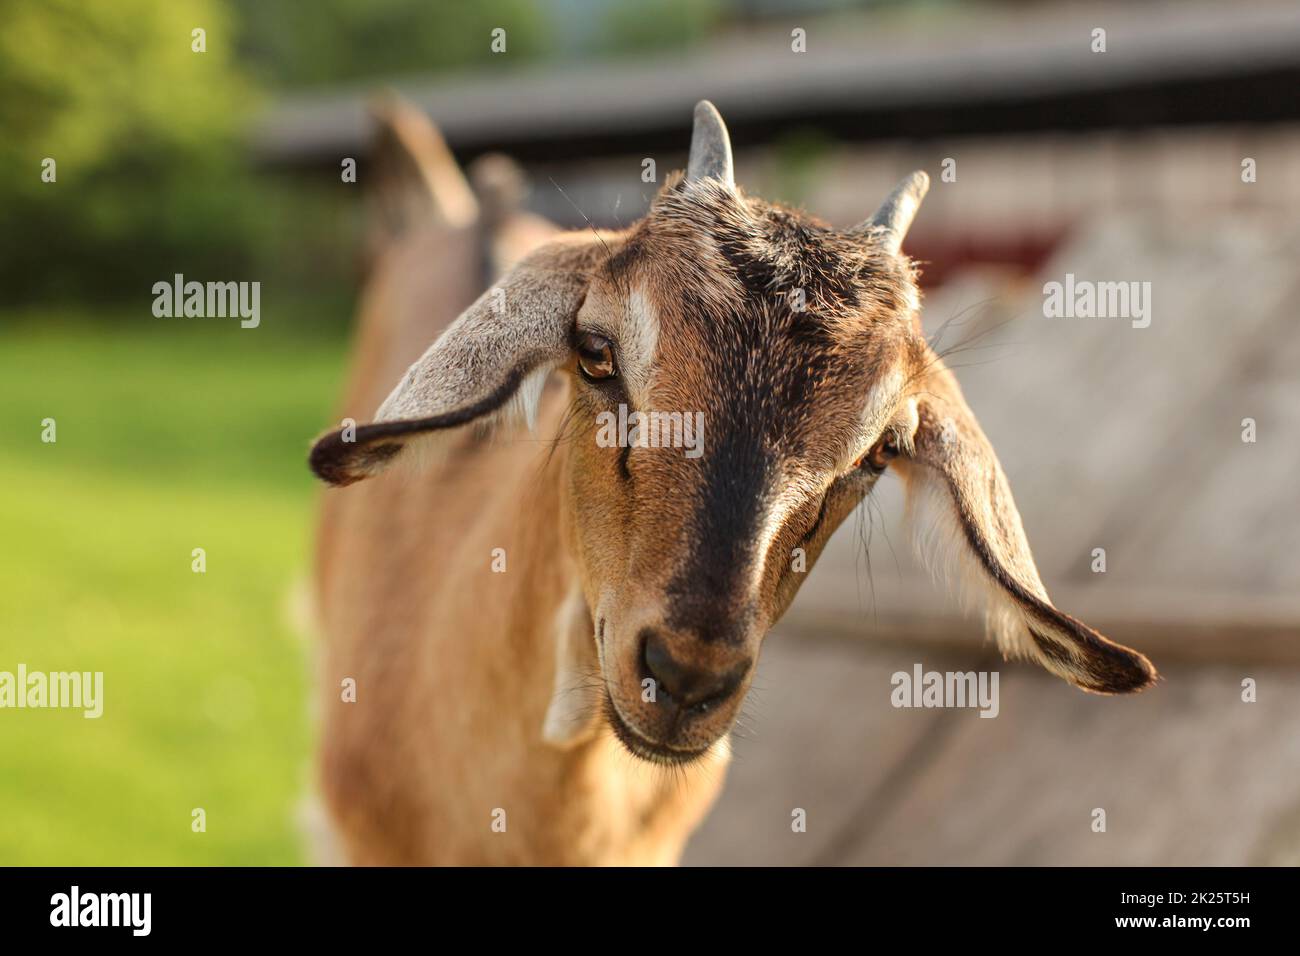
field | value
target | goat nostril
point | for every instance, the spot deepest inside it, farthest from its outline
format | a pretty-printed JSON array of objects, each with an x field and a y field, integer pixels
[
  {"x": 659, "y": 665},
  {"x": 686, "y": 685}
]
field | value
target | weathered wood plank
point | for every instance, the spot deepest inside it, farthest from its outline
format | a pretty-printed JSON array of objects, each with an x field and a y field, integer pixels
[
  {"x": 1188, "y": 773},
  {"x": 817, "y": 736}
]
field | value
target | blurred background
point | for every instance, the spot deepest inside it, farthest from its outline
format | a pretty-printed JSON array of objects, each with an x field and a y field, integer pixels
[{"x": 1048, "y": 157}]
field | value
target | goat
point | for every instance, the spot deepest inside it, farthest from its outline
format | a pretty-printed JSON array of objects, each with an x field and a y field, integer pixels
[{"x": 575, "y": 709}]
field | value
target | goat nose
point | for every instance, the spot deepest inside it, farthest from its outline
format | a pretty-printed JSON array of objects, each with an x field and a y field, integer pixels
[{"x": 688, "y": 685}]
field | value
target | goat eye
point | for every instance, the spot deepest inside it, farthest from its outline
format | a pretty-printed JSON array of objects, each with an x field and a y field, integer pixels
[
  {"x": 596, "y": 357},
  {"x": 881, "y": 454}
]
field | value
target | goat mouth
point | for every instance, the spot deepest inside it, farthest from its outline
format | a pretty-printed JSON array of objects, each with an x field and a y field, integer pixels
[{"x": 648, "y": 750}]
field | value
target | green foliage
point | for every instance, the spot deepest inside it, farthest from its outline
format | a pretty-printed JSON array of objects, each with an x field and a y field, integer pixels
[
  {"x": 87, "y": 80},
  {"x": 659, "y": 24},
  {"x": 145, "y": 134},
  {"x": 337, "y": 41},
  {"x": 171, "y": 436},
  {"x": 153, "y": 170},
  {"x": 797, "y": 159}
]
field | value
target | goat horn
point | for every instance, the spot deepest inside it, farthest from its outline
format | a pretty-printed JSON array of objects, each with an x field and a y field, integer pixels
[
  {"x": 710, "y": 146},
  {"x": 895, "y": 215}
]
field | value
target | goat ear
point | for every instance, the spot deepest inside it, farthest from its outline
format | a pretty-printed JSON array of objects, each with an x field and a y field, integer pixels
[
  {"x": 953, "y": 465},
  {"x": 494, "y": 357},
  {"x": 415, "y": 179}
]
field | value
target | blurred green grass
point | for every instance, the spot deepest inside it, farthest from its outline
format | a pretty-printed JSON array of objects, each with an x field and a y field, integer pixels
[{"x": 172, "y": 435}]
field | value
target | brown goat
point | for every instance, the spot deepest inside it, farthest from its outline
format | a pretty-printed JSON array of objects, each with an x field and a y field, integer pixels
[{"x": 551, "y": 637}]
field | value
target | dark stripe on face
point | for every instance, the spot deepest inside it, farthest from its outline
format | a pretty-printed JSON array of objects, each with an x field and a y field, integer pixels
[
  {"x": 708, "y": 591},
  {"x": 760, "y": 366},
  {"x": 762, "y": 363}
]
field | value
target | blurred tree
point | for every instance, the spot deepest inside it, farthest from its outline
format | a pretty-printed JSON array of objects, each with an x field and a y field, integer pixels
[
  {"x": 144, "y": 133},
  {"x": 336, "y": 41},
  {"x": 660, "y": 24}
]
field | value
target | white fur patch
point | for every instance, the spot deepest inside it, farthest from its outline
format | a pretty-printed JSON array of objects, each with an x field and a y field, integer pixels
[
  {"x": 942, "y": 547},
  {"x": 523, "y": 405},
  {"x": 573, "y": 714},
  {"x": 881, "y": 400},
  {"x": 881, "y": 411},
  {"x": 787, "y": 502},
  {"x": 319, "y": 836},
  {"x": 639, "y": 342}
]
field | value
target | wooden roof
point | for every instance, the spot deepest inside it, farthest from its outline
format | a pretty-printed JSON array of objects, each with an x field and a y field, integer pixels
[{"x": 987, "y": 71}]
